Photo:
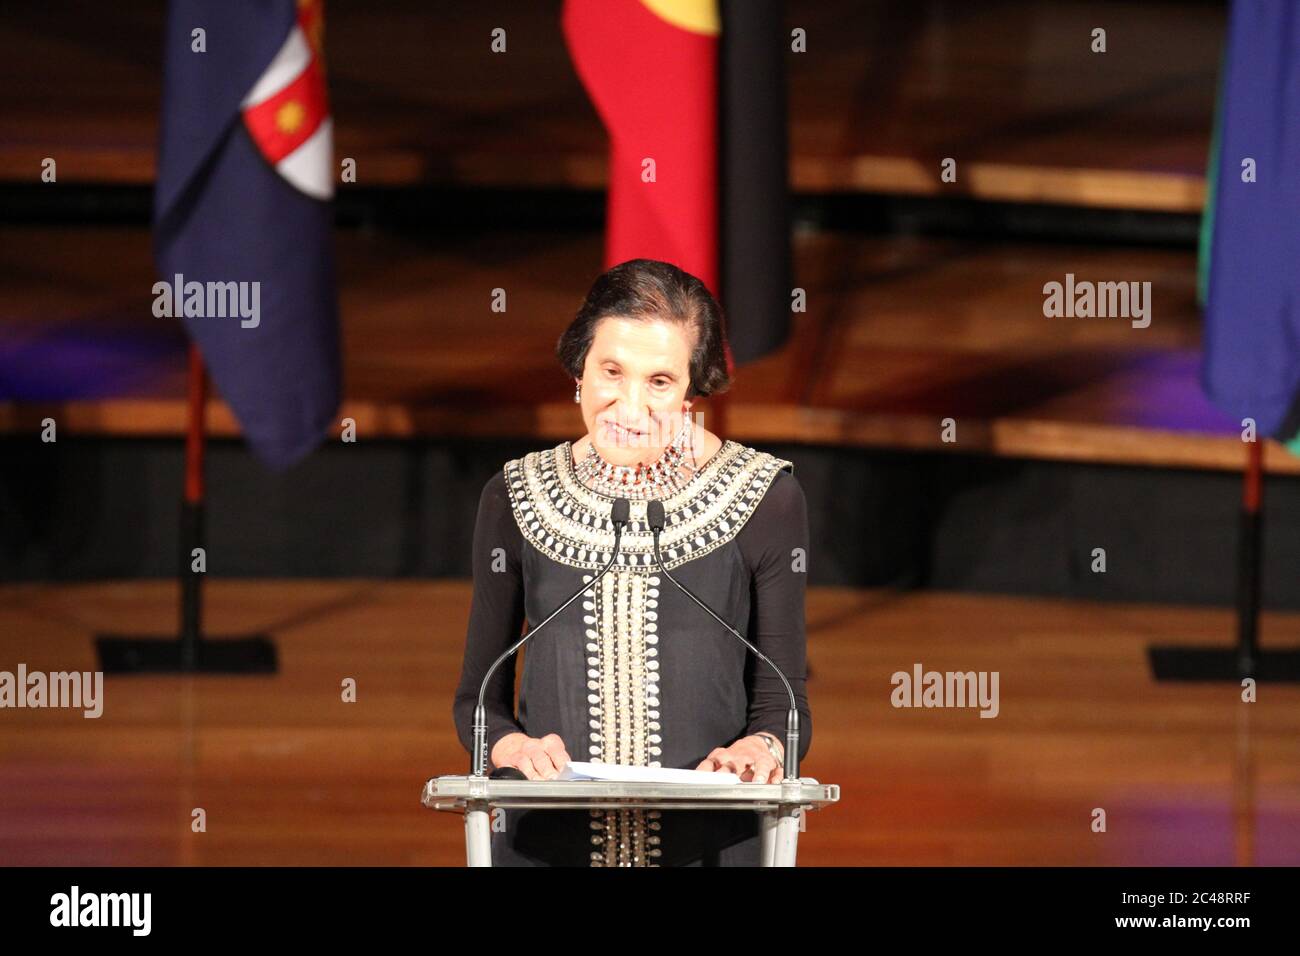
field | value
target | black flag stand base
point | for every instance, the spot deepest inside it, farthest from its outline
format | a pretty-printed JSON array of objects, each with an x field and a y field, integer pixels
[
  {"x": 1216, "y": 664},
  {"x": 1246, "y": 659},
  {"x": 191, "y": 652},
  {"x": 143, "y": 655}
]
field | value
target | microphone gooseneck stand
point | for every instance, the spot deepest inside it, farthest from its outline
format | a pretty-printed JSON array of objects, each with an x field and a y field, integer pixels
[
  {"x": 655, "y": 518},
  {"x": 619, "y": 515}
]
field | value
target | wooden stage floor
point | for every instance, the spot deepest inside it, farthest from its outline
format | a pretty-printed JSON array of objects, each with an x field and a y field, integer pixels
[{"x": 289, "y": 774}]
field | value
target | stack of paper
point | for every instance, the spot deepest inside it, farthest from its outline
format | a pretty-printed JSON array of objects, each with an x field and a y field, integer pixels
[{"x": 578, "y": 770}]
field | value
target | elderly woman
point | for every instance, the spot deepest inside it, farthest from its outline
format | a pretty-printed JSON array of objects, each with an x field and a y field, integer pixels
[{"x": 639, "y": 674}]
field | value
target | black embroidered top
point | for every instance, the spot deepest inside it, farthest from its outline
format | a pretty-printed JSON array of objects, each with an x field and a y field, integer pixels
[{"x": 634, "y": 672}]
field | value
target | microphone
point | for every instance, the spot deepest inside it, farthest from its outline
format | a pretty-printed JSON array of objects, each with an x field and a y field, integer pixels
[
  {"x": 619, "y": 515},
  {"x": 655, "y": 518}
]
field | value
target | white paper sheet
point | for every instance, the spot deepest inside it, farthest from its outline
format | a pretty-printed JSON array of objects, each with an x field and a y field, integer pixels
[{"x": 579, "y": 770}]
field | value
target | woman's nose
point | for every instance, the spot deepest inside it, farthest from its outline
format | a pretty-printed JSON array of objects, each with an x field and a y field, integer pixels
[{"x": 632, "y": 397}]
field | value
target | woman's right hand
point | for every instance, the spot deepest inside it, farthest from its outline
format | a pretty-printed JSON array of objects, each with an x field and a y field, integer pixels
[{"x": 540, "y": 758}]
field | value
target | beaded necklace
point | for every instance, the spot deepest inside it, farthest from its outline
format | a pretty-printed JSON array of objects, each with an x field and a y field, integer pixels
[{"x": 658, "y": 479}]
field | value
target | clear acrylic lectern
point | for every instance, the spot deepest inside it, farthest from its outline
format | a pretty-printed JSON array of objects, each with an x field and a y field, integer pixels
[{"x": 780, "y": 806}]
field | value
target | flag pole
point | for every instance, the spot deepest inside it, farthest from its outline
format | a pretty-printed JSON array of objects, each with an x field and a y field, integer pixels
[
  {"x": 1245, "y": 660},
  {"x": 1248, "y": 560},
  {"x": 192, "y": 511},
  {"x": 189, "y": 652}
]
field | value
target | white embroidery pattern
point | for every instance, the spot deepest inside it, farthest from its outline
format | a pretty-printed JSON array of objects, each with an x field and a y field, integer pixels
[
  {"x": 623, "y": 685},
  {"x": 570, "y": 523}
]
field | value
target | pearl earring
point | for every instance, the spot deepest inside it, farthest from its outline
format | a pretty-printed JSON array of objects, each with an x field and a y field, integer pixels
[{"x": 577, "y": 394}]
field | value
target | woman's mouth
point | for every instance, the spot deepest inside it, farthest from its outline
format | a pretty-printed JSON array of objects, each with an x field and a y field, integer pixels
[{"x": 620, "y": 433}]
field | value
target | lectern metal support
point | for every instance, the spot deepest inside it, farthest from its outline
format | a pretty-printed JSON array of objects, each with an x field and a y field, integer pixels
[{"x": 781, "y": 806}]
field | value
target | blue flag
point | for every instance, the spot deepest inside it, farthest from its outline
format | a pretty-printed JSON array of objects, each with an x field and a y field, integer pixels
[
  {"x": 243, "y": 214},
  {"x": 1252, "y": 316}
]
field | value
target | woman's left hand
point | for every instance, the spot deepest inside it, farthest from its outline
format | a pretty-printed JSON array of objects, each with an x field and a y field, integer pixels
[{"x": 748, "y": 758}]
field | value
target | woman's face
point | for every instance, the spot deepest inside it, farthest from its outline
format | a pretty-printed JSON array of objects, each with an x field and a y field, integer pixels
[{"x": 636, "y": 376}]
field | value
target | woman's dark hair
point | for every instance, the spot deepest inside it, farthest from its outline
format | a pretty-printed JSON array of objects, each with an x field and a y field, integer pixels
[{"x": 648, "y": 289}]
